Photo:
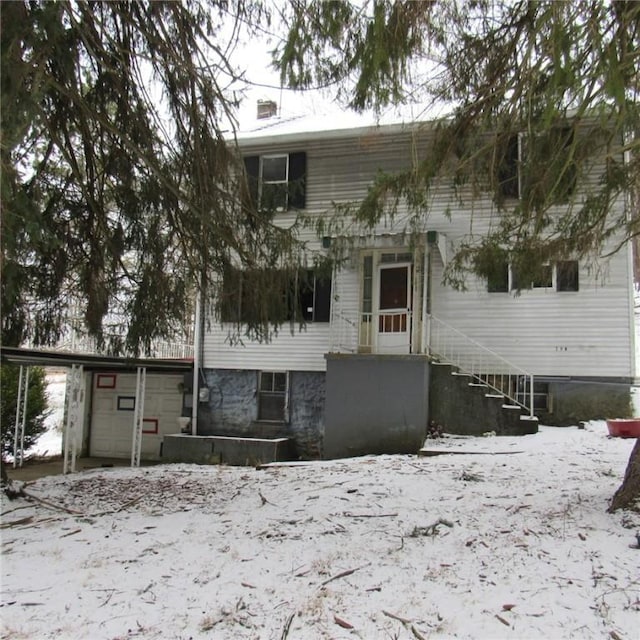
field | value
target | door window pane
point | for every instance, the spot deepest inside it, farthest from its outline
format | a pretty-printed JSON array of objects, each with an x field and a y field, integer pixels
[{"x": 393, "y": 288}]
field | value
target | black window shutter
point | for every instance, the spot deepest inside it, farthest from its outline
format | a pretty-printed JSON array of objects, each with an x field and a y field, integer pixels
[
  {"x": 297, "y": 180},
  {"x": 252, "y": 167},
  {"x": 322, "y": 300}
]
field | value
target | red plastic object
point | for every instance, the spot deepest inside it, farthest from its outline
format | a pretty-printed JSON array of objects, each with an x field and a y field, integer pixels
[{"x": 624, "y": 427}]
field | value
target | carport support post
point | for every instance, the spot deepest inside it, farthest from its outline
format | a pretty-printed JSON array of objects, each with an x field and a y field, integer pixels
[
  {"x": 74, "y": 419},
  {"x": 197, "y": 342},
  {"x": 138, "y": 416},
  {"x": 21, "y": 417}
]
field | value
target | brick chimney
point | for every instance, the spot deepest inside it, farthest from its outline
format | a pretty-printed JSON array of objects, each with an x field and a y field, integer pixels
[{"x": 267, "y": 109}]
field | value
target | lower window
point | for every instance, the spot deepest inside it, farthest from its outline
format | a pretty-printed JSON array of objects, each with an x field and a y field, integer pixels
[{"x": 272, "y": 396}]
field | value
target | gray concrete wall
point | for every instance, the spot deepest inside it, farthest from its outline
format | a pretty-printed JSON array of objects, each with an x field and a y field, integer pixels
[
  {"x": 576, "y": 401},
  {"x": 232, "y": 405},
  {"x": 375, "y": 404},
  {"x": 306, "y": 413},
  {"x": 232, "y": 409}
]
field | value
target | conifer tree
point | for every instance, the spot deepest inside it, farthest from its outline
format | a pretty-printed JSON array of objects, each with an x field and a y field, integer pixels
[
  {"x": 563, "y": 76},
  {"x": 37, "y": 408},
  {"x": 121, "y": 183},
  {"x": 544, "y": 70}
]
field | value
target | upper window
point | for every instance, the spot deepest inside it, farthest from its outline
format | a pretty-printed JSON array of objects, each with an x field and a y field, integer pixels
[
  {"x": 567, "y": 276},
  {"x": 562, "y": 276},
  {"x": 532, "y": 168},
  {"x": 277, "y": 181},
  {"x": 275, "y": 296},
  {"x": 274, "y": 173},
  {"x": 498, "y": 280},
  {"x": 508, "y": 170},
  {"x": 314, "y": 297}
]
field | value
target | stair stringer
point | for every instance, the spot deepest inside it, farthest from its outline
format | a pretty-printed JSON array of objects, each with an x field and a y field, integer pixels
[{"x": 461, "y": 406}]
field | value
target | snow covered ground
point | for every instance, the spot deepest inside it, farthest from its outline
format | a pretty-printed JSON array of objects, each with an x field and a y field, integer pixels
[
  {"x": 50, "y": 442},
  {"x": 485, "y": 545}
]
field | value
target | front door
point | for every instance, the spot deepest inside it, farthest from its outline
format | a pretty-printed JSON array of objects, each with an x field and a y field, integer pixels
[{"x": 394, "y": 309}]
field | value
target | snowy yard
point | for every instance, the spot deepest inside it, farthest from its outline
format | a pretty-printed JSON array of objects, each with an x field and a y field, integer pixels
[{"x": 510, "y": 545}]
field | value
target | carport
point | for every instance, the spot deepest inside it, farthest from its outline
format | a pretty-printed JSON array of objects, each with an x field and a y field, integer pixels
[{"x": 104, "y": 373}]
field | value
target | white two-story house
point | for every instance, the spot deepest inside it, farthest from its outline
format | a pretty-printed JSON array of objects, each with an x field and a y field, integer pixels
[{"x": 386, "y": 346}]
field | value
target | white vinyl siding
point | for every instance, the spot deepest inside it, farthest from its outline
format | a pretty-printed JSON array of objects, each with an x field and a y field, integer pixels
[
  {"x": 582, "y": 333},
  {"x": 302, "y": 351}
]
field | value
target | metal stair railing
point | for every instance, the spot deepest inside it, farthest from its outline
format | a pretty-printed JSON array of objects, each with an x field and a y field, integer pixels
[{"x": 448, "y": 345}]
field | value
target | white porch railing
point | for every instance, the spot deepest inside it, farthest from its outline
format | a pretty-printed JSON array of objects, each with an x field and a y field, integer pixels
[
  {"x": 344, "y": 333},
  {"x": 450, "y": 346},
  {"x": 159, "y": 349}
]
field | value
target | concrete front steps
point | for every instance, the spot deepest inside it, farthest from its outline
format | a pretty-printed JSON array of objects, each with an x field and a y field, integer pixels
[{"x": 463, "y": 406}]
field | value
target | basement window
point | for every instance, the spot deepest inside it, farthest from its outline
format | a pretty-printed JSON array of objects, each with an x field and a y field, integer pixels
[
  {"x": 541, "y": 398},
  {"x": 272, "y": 396}
]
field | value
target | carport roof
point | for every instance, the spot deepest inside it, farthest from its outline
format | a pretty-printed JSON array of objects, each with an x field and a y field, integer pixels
[{"x": 93, "y": 362}]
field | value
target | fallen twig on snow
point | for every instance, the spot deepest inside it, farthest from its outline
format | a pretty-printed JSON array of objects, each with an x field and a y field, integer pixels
[
  {"x": 505, "y": 622},
  {"x": 48, "y": 503},
  {"x": 343, "y": 574},
  {"x": 431, "y": 530},
  {"x": 348, "y": 514},
  {"x": 24, "y": 506},
  {"x": 15, "y": 523},
  {"x": 343, "y": 623},
  {"x": 417, "y": 634},
  {"x": 396, "y": 617},
  {"x": 287, "y": 626}
]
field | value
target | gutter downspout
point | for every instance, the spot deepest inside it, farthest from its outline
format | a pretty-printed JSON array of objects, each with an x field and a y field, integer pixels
[{"x": 197, "y": 343}]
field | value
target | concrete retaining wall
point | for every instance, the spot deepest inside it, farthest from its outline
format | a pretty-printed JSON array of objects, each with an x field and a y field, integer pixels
[{"x": 221, "y": 449}]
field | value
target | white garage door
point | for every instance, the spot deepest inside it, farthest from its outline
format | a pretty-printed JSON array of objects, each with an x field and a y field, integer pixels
[{"x": 112, "y": 413}]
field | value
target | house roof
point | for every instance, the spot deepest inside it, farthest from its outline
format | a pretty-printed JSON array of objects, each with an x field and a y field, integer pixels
[{"x": 333, "y": 122}]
